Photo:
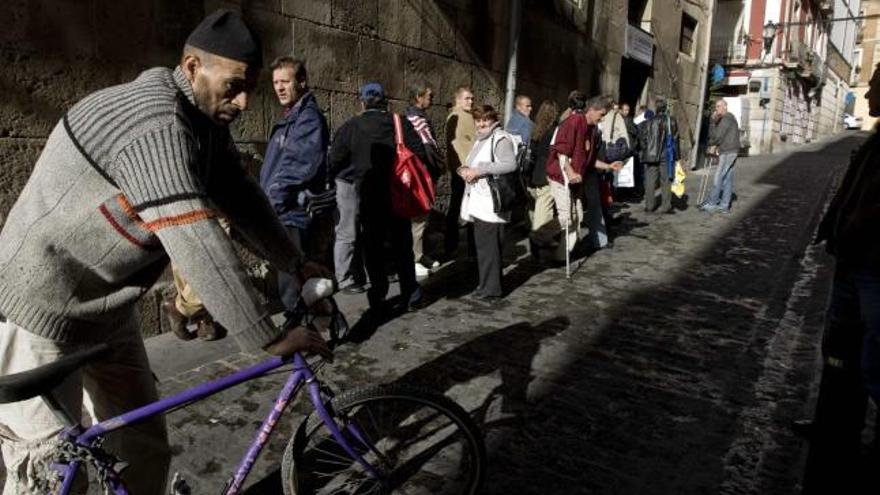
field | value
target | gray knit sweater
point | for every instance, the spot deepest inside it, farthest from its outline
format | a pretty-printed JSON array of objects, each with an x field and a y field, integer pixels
[{"x": 131, "y": 173}]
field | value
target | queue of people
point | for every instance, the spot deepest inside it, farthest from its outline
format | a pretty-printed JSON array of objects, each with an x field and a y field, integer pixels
[{"x": 564, "y": 160}]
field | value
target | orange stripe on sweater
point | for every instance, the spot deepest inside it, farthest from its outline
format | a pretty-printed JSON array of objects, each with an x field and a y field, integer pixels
[
  {"x": 176, "y": 220},
  {"x": 129, "y": 210},
  {"x": 164, "y": 222}
]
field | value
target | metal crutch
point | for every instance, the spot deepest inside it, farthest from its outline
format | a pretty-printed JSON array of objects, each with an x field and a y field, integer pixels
[
  {"x": 704, "y": 182},
  {"x": 567, "y": 222}
]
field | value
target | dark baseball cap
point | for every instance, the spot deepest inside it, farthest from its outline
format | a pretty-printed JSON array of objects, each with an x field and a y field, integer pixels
[{"x": 372, "y": 91}]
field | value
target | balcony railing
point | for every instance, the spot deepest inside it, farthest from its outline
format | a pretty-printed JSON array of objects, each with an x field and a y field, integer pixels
[
  {"x": 800, "y": 54},
  {"x": 730, "y": 53},
  {"x": 806, "y": 61}
]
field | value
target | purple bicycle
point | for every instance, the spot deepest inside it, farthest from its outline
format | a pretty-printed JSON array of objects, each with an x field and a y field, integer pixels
[{"x": 378, "y": 439}]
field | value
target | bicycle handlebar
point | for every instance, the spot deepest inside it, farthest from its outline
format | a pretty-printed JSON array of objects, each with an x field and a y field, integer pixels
[{"x": 337, "y": 324}]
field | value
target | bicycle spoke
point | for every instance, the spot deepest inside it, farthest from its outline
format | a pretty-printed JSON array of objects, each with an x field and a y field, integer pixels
[
  {"x": 338, "y": 456},
  {"x": 338, "y": 463},
  {"x": 421, "y": 445}
]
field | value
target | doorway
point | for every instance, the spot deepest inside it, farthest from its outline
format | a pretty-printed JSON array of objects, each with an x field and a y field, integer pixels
[{"x": 633, "y": 78}]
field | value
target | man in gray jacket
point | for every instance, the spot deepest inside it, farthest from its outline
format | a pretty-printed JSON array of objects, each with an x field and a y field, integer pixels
[{"x": 724, "y": 138}]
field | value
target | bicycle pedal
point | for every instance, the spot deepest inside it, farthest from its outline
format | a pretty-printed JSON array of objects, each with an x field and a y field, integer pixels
[{"x": 179, "y": 486}]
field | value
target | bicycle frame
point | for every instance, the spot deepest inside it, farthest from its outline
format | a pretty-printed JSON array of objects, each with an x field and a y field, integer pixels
[{"x": 300, "y": 374}]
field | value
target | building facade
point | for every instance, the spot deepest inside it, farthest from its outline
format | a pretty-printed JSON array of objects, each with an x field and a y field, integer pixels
[
  {"x": 789, "y": 64},
  {"x": 678, "y": 33},
  {"x": 867, "y": 57}
]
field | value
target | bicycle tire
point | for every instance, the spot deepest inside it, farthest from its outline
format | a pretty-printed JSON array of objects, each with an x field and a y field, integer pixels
[{"x": 312, "y": 446}]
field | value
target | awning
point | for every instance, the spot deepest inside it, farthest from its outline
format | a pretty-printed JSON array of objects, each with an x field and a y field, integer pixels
[{"x": 737, "y": 77}]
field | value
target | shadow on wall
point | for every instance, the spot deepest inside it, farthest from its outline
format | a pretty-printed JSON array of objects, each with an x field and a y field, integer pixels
[
  {"x": 58, "y": 51},
  {"x": 557, "y": 50}
]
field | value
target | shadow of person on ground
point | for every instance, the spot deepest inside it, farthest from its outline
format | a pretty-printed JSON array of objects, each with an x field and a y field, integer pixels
[{"x": 480, "y": 357}]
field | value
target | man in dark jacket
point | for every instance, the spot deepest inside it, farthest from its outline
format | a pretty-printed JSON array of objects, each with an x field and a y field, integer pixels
[
  {"x": 851, "y": 344},
  {"x": 294, "y": 167},
  {"x": 363, "y": 153},
  {"x": 655, "y": 154},
  {"x": 724, "y": 140}
]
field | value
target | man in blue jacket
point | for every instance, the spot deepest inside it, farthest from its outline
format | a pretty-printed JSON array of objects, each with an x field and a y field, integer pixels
[
  {"x": 519, "y": 123},
  {"x": 294, "y": 168}
]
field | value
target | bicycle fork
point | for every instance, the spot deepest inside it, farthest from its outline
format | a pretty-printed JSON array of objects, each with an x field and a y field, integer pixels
[{"x": 330, "y": 423}]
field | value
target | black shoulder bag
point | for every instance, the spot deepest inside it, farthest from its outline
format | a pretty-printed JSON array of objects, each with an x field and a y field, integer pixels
[{"x": 508, "y": 190}]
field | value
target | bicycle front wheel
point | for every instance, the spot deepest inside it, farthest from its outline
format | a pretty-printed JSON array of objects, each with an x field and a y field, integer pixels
[{"x": 420, "y": 442}]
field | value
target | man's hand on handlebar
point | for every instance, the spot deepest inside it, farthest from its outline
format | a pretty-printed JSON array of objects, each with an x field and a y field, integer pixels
[
  {"x": 299, "y": 339},
  {"x": 310, "y": 269}
]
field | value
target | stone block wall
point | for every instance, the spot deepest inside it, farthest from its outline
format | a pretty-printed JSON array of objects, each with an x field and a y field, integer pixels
[{"x": 54, "y": 52}]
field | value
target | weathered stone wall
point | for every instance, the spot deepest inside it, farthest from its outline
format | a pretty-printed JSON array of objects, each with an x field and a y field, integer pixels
[{"x": 56, "y": 51}]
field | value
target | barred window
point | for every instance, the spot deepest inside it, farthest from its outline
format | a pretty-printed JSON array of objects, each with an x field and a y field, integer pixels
[{"x": 688, "y": 34}]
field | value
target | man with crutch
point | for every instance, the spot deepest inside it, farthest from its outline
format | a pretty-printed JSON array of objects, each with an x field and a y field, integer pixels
[
  {"x": 568, "y": 157},
  {"x": 724, "y": 136},
  {"x": 573, "y": 155}
]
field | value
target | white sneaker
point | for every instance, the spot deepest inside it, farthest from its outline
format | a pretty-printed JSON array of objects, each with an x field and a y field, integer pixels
[{"x": 421, "y": 271}]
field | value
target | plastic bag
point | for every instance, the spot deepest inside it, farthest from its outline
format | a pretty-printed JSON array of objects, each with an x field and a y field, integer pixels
[
  {"x": 678, "y": 181},
  {"x": 625, "y": 177}
]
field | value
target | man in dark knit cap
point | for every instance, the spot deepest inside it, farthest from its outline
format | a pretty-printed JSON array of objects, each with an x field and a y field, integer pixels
[{"x": 134, "y": 175}]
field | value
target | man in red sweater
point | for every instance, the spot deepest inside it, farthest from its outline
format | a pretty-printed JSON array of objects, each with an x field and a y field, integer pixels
[{"x": 574, "y": 153}]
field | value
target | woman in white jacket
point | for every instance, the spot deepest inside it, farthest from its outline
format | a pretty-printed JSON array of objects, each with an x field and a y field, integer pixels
[{"x": 493, "y": 153}]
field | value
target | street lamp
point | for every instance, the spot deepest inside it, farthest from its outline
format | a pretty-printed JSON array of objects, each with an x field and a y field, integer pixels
[{"x": 768, "y": 33}]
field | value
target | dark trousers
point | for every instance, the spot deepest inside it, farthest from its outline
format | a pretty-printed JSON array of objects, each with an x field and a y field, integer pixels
[
  {"x": 639, "y": 176},
  {"x": 488, "y": 239},
  {"x": 653, "y": 173},
  {"x": 851, "y": 372},
  {"x": 595, "y": 211},
  {"x": 379, "y": 224},
  {"x": 288, "y": 287},
  {"x": 456, "y": 185}
]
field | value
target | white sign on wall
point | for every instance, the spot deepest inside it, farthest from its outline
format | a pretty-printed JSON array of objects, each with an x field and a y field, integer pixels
[{"x": 639, "y": 45}]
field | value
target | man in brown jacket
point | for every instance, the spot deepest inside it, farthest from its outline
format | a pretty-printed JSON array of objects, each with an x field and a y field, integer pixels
[{"x": 460, "y": 131}]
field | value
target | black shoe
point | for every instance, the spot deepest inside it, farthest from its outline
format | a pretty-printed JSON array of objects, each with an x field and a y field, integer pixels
[
  {"x": 354, "y": 289},
  {"x": 477, "y": 294},
  {"x": 209, "y": 330},
  {"x": 491, "y": 300},
  {"x": 176, "y": 320},
  {"x": 409, "y": 303},
  {"x": 429, "y": 262}
]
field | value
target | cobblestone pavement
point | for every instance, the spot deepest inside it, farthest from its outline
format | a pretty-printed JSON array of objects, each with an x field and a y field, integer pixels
[{"x": 670, "y": 364}]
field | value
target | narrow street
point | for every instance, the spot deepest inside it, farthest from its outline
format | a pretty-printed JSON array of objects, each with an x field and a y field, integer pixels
[{"x": 670, "y": 364}]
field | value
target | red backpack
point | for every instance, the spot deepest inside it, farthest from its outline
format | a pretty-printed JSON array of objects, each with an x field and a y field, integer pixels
[{"x": 412, "y": 191}]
